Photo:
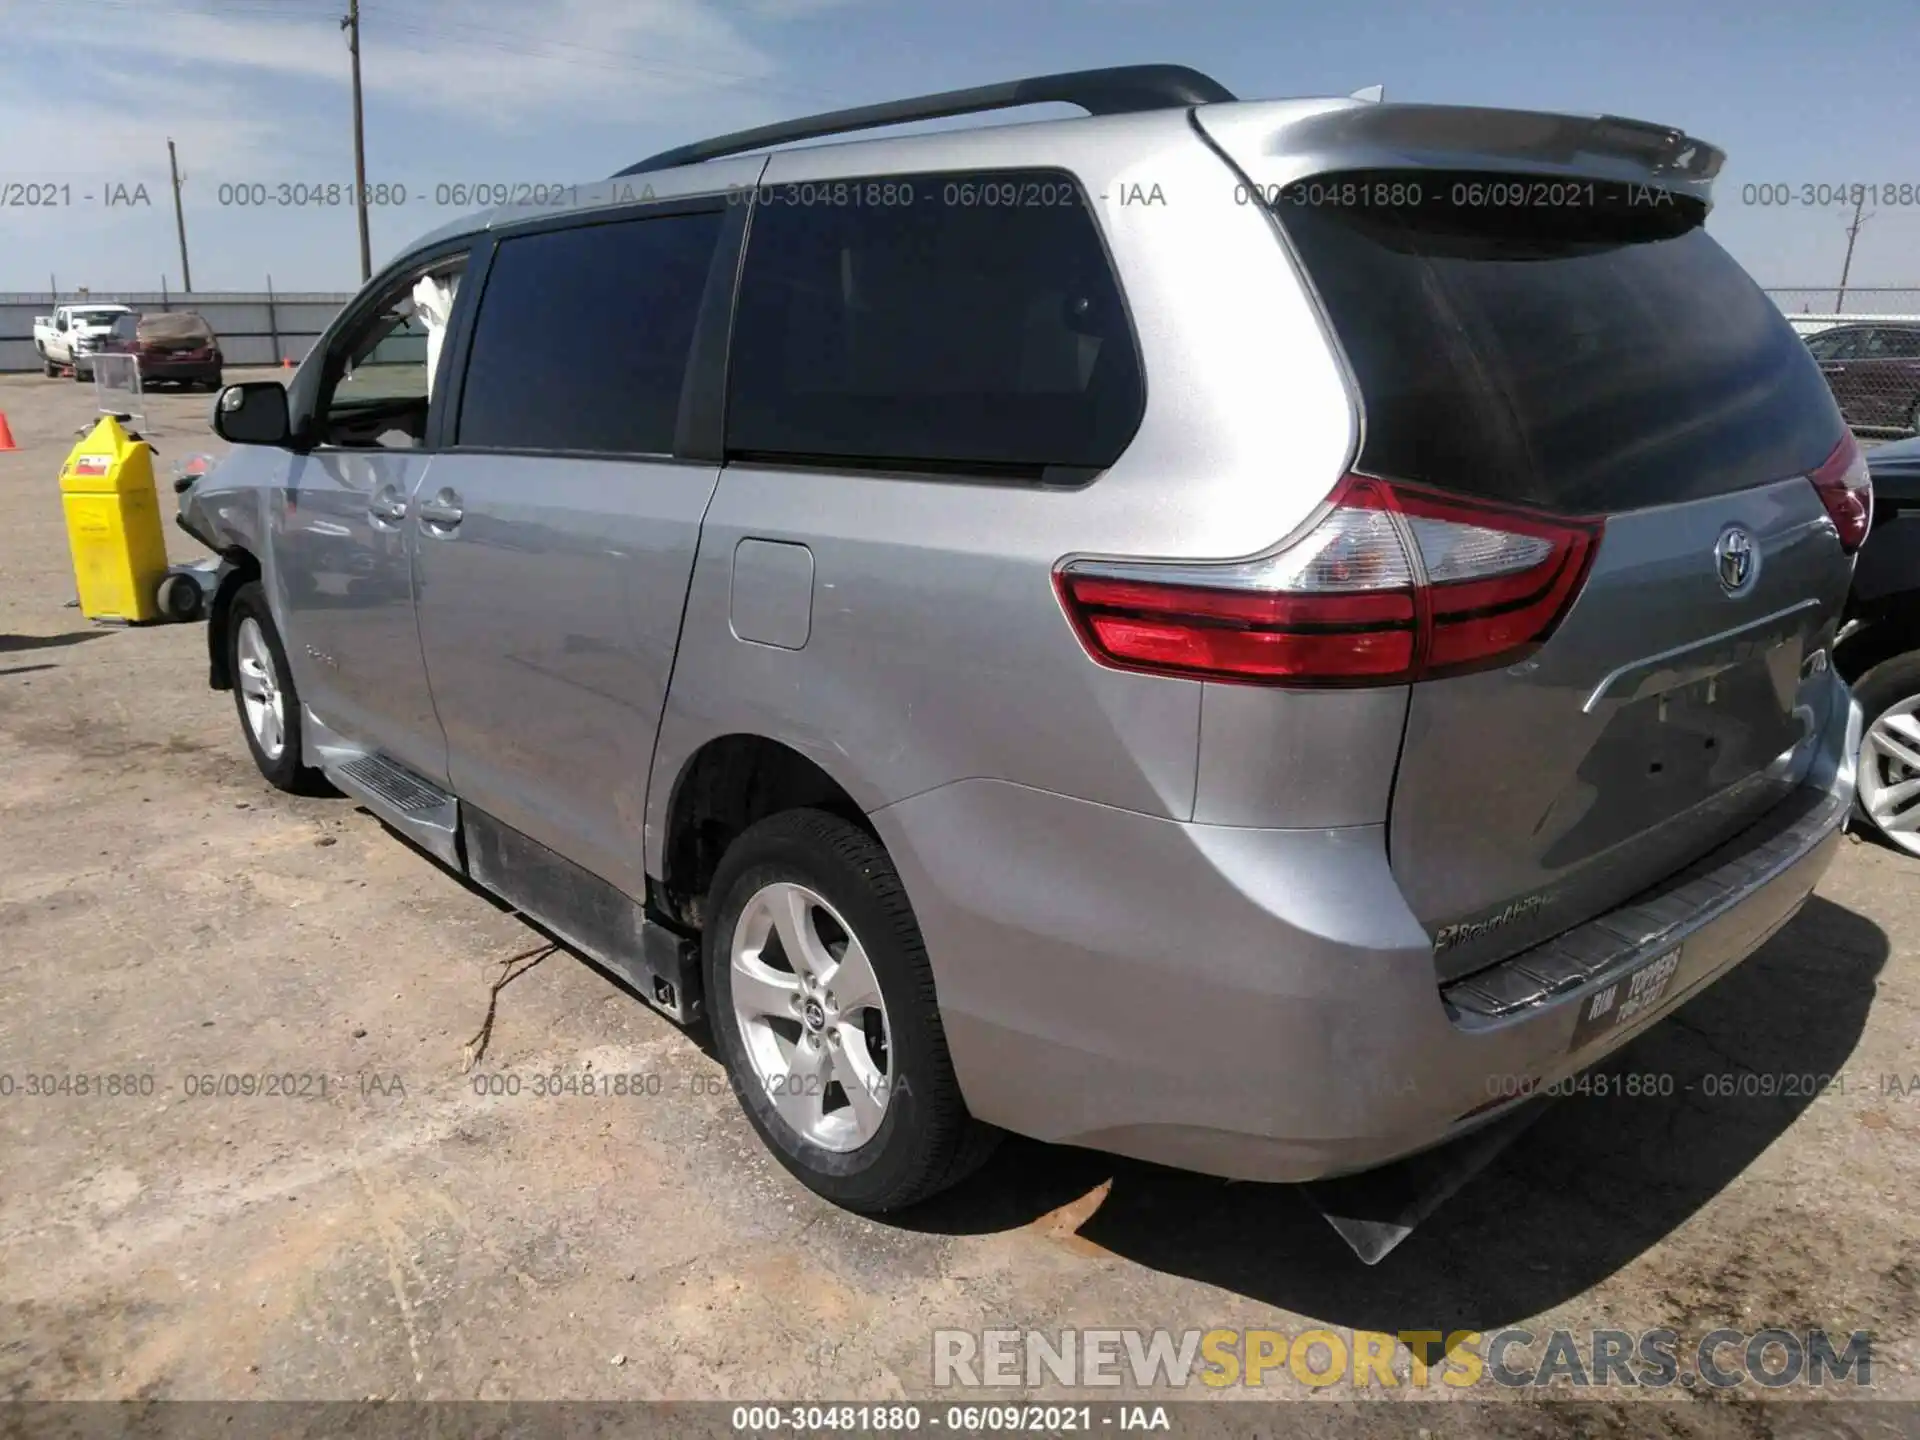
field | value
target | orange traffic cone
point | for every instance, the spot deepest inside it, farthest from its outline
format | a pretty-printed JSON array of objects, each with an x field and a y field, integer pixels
[
  {"x": 286, "y": 362},
  {"x": 6, "y": 434}
]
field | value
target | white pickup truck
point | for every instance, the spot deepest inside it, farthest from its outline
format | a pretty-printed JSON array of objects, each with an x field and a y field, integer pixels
[{"x": 71, "y": 333}]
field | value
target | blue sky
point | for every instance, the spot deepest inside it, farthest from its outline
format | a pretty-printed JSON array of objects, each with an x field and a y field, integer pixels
[{"x": 495, "y": 91}]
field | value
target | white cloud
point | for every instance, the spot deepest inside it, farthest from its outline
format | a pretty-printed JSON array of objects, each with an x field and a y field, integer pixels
[
  {"x": 100, "y": 138},
  {"x": 490, "y": 62},
  {"x": 256, "y": 90}
]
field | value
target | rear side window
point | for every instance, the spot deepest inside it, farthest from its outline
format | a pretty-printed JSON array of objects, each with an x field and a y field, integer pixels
[
  {"x": 582, "y": 337},
  {"x": 1894, "y": 345},
  {"x": 968, "y": 323},
  {"x": 1577, "y": 345},
  {"x": 1836, "y": 344}
]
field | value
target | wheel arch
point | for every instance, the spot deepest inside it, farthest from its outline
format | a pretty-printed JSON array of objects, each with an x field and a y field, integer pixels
[
  {"x": 238, "y": 567},
  {"x": 730, "y": 782}
]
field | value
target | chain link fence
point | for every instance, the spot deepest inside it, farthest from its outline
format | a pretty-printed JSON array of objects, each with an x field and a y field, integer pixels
[{"x": 1867, "y": 341}]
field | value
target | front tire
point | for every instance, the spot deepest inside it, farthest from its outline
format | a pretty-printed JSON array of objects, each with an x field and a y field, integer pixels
[
  {"x": 264, "y": 694},
  {"x": 1889, "y": 773},
  {"x": 822, "y": 1006}
]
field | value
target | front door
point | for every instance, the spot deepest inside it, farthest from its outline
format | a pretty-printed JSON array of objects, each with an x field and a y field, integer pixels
[
  {"x": 557, "y": 533},
  {"x": 343, "y": 528}
]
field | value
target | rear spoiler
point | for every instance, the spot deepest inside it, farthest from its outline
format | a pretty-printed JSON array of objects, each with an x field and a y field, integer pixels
[{"x": 1283, "y": 141}]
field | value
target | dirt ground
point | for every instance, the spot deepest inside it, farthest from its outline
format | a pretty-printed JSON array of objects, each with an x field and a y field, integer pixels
[{"x": 167, "y": 920}]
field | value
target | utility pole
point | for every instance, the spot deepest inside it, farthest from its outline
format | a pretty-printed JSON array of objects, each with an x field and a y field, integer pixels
[
  {"x": 1853, "y": 233},
  {"x": 179, "y": 219},
  {"x": 351, "y": 24}
]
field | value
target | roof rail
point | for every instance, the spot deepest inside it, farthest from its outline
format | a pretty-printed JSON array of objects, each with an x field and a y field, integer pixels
[{"x": 1113, "y": 91}]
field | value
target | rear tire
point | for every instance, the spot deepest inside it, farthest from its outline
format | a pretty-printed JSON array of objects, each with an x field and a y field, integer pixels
[
  {"x": 264, "y": 694},
  {"x": 51, "y": 370},
  {"x": 1889, "y": 696},
  {"x": 797, "y": 1052}
]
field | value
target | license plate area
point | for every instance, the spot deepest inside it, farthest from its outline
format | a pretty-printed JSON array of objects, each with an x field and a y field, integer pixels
[{"x": 1621, "y": 1002}]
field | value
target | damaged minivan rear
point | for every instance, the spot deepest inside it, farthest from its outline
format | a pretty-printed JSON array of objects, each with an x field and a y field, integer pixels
[
  {"x": 1255, "y": 636},
  {"x": 1523, "y": 735}
]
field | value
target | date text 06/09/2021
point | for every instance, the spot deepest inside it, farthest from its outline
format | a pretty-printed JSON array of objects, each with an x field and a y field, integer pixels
[{"x": 967, "y": 1419}]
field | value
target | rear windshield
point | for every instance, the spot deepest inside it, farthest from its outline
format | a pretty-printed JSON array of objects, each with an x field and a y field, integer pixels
[
  {"x": 1577, "y": 345},
  {"x": 172, "y": 327}
]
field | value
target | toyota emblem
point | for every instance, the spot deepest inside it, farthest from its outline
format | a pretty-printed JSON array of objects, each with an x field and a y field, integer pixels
[{"x": 1735, "y": 560}]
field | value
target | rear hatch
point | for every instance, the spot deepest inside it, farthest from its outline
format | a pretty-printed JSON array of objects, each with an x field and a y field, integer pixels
[
  {"x": 1556, "y": 344},
  {"x": 177, "y": 333}
]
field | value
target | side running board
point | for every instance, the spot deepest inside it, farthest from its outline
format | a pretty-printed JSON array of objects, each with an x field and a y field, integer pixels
[
  {"x": 612, "y": 930},
  {"x": 421, "y": 811}
]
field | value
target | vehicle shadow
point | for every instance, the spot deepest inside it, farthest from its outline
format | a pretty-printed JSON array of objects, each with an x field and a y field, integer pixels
[
  {"x": 9, "y": 644},
  {"x": 1595, "y": 1182}
]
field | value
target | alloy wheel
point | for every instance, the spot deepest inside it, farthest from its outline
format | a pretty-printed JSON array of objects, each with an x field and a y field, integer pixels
[
  {"x": 811, "y": 1016},
  {"x": 1890, "y": 773},
  {"x": 260, "y": 691}
]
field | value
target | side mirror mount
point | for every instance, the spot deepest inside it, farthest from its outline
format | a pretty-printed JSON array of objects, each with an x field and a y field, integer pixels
[{"x": 254, "y": 413}]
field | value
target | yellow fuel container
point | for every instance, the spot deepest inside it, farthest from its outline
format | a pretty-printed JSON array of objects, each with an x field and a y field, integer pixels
[{"x": 113, "y": 524}]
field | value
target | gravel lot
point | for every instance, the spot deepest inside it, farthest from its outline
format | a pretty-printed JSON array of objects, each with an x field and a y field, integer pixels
[{"x": 387, "y": 1231}]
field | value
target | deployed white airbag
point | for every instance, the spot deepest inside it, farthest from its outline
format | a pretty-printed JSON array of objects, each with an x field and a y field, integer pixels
[{"x": 433, "y": 303}]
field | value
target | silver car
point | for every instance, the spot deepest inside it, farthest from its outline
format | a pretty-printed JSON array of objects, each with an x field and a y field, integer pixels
[{"x": 1248, "y": 635}]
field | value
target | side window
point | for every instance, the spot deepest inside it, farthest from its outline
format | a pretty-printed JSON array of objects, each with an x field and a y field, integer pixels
[
  {"x": 582, "y": 336},
  {"x": 968, "y": 323},
  {"x": 378, "y": 379},
  {"x": 1900, "y": 344},
  {"x": 1835, "y": 345}
]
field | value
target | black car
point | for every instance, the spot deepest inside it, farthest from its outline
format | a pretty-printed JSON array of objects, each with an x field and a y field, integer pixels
[{"x": 1879, "y": 648}]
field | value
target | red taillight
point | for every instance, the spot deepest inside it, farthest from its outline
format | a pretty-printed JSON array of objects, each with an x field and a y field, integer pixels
[
  {"x": 1846, "y": 490},
  {"x": 1395, "y": 583}
]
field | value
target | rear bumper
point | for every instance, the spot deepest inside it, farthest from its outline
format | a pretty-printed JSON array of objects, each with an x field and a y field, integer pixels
[{"x": 1262, "y": 1004}]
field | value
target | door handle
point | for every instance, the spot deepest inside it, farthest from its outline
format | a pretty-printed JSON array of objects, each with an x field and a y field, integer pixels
[
  {"x": 386, "y": 507},
  {"x": 443, "y": 512}
]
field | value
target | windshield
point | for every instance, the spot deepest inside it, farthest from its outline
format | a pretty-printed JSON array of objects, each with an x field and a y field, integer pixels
[{"x": 96, "y": 317}]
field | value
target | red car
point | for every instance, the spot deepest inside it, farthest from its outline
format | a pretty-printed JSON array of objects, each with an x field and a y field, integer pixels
[{"x": 175, "y": 345}]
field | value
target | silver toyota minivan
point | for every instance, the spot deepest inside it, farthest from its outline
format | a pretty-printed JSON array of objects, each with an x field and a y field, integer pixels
[{"x": 1248, "y": 635}]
